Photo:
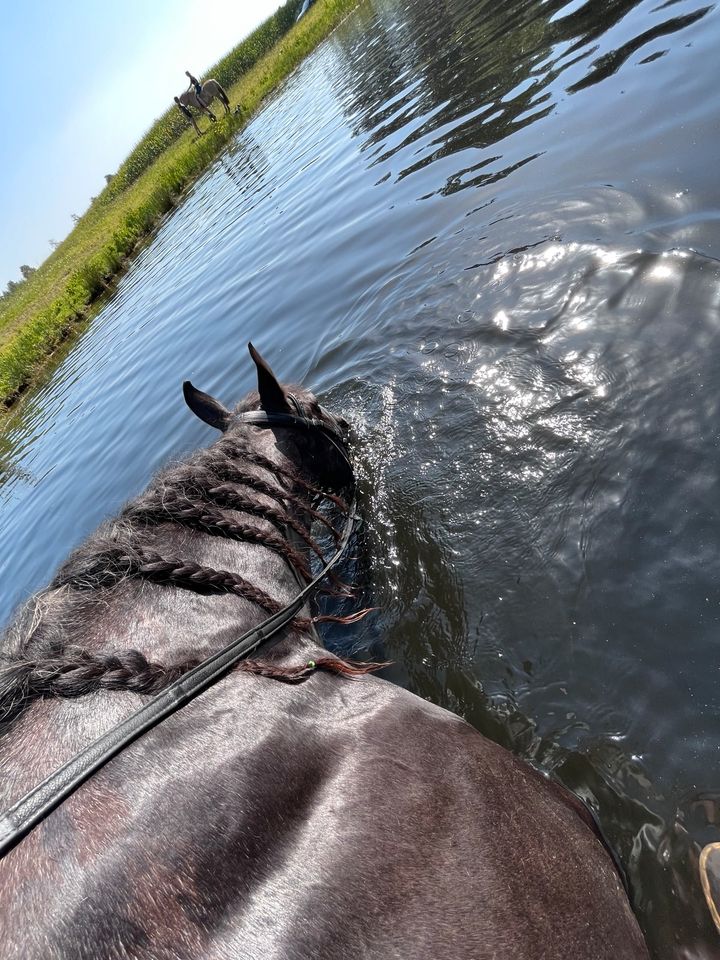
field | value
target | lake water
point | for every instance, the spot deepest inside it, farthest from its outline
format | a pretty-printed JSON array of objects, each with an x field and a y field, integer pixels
[{"x": 488, "y": 234}]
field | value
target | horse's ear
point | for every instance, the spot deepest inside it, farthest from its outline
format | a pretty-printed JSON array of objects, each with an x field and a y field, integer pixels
[
  {"x": 272, "y": 394},
  {"x": 206, "y": 407}
]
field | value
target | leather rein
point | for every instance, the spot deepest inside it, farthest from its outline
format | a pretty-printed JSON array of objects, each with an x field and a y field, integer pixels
[{"x": 17, "y": 821}]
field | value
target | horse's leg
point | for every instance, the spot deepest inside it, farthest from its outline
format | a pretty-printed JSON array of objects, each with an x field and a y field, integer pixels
[
  {"x": 201, "y": 105},
  {"x": 209, "y": 112},
  {"x": 223, "y": 98},
  {"x": 212, "y": 89}
]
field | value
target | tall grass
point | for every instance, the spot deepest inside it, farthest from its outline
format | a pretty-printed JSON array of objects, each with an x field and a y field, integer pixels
[
  {"x": 43, "y": 310},
  {"x": 171, "y": 125}
]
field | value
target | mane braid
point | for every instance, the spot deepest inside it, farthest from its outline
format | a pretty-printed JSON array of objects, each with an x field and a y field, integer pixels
[
  {"x": 194, "y": 576},
  {"x": 108, "y": 567},
  {"x": 75, "y": 672},
  {"x": 261, "y": 461},
  {"x": 230, "y": 472},
  {"x": 185, "y": 573},
  {"x": 159, "y": 506},
  {"x": 197, "y": 494},
  {"x": 209, "y": 470},
  {"x": 226, "y": 496},
  {"x": 205, "y": 518}
]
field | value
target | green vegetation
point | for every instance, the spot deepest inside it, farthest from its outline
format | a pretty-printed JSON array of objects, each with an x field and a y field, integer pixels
[{"x": 41, "y": 312}]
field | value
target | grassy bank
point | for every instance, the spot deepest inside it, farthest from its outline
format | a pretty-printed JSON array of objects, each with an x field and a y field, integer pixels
[{"x": 43, "y": 311}]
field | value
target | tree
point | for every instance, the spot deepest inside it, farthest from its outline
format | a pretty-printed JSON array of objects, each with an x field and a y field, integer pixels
[
  {"x": 109, "y": 177},
  {"x": 75, "y": 217},
  {"x": 27, "y": 271},
  {"x": 54, "y": 244}
]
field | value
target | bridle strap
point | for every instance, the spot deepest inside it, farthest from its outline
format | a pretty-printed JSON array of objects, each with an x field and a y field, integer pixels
[
  {"x": 260, "y": 418},
  {"x": 35, "y": 805}
]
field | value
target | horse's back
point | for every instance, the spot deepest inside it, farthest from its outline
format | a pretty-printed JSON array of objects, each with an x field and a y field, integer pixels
[
  {"x": 457, "y": 849},
  {"x": 336, "y": 819}
]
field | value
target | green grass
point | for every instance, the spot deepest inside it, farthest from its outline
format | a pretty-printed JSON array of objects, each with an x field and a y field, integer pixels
[{"x": 44, "y": 310}]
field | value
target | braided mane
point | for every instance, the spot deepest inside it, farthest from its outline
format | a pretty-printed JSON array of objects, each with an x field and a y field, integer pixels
[{"x": 204, "y": 493}]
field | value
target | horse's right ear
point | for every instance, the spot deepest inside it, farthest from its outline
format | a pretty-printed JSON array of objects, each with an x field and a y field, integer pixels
[
  {"x": 206, "y": 407},
  {"x": 272, "y": 394}
]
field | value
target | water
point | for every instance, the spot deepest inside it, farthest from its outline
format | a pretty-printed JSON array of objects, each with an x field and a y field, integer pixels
[{"x": 487, "y": 233}]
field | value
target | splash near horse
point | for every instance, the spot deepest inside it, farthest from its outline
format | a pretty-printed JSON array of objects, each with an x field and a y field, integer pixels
[
  {"x": 188, "y": 773},
  {"x": 201, "y": 95}
]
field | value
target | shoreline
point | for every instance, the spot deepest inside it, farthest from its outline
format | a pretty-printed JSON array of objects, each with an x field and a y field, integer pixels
[{"x": 60, "y": 297}]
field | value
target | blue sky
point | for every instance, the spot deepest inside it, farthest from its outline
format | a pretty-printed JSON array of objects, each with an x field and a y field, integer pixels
[{"x": 82, "y": 82}]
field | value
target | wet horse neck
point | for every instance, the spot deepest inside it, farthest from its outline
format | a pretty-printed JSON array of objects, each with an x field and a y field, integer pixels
[
  {"x": 172, "y": 621},
  {"x": 171, "y": 625},
  {"x": 195, "y": 623}
]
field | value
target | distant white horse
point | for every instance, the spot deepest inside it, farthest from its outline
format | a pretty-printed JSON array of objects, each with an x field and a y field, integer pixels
[{"x": 209, "y": 91}]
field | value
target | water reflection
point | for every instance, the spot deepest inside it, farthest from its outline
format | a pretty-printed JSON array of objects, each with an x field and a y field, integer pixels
[
  {"x": 610, "y": 63},
  {"x": 472, "y": 79}
]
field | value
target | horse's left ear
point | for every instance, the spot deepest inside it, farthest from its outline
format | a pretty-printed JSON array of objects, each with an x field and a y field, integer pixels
[
  {"x": 206, "y": 407},
  {"x": 272, "y": 394}
]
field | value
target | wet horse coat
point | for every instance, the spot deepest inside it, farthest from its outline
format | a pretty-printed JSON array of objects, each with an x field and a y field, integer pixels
[{"x": 330, "y": 818}]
